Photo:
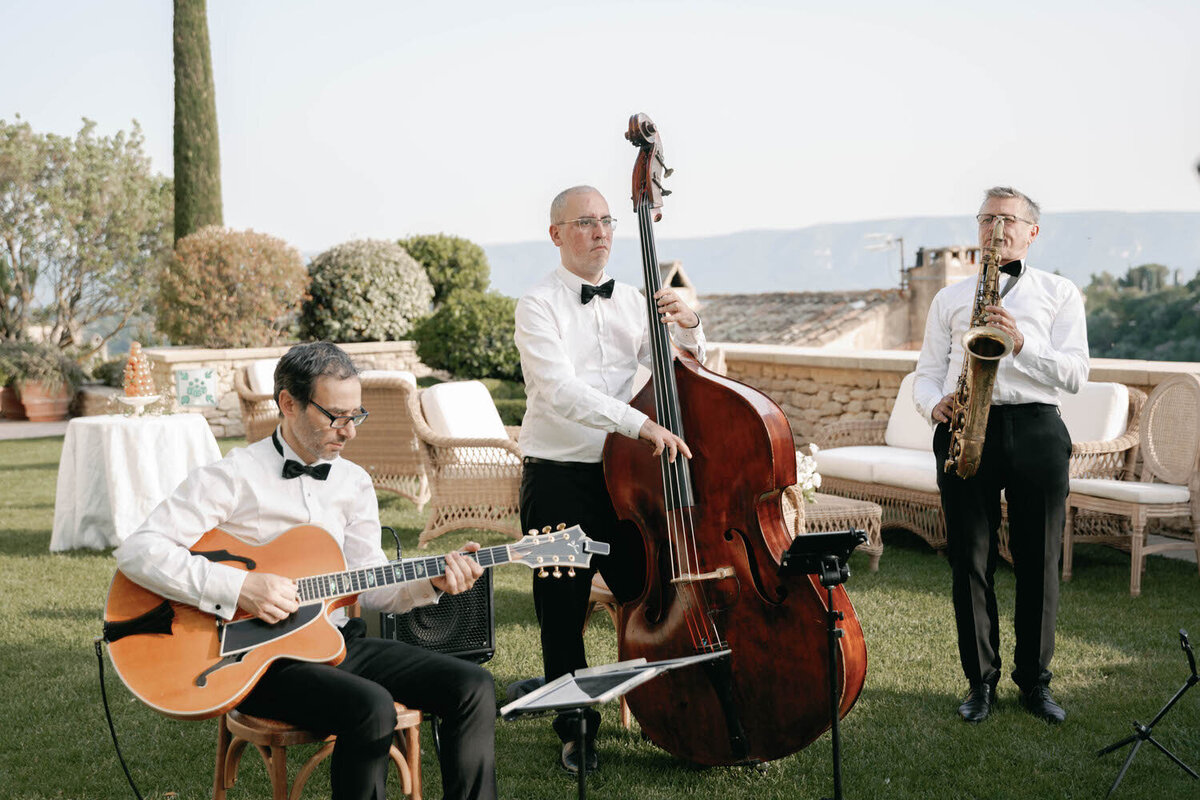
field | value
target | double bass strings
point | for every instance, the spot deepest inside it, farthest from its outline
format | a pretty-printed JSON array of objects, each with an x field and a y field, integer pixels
[{"x": 681, "y": 539}]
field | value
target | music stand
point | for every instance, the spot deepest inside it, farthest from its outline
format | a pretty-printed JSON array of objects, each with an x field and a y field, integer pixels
[
  {"x": 591, "y": 687},
  {"x": 1143, "y": 733},
  {"x": 827, "y": 556}
]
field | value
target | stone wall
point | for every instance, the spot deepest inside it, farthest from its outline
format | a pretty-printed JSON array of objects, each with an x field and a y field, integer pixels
[
  {"x": 815, "y": 387},
  {"x": 225, "y": 418}
]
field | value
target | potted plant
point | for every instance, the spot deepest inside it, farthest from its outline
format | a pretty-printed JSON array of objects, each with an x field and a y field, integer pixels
[
  {"x": 10, "y": 406},
  {"x": 45, "y": 379}
]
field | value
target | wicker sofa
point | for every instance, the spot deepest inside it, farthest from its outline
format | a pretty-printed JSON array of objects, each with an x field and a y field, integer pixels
[{"x": 891, "y": 462}]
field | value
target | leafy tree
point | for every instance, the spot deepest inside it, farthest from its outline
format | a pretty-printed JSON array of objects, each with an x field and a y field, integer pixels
[
  {"x": 471, "y": 336},
  {"x": 86, "y": 228},
  {"x": 362, "y": 291},
  {"x": 450, "y": 262},
  {"x": 231, "y": 289},
  {"x": 1139, "y": 316},
  {"x": 197, "y": 146}
]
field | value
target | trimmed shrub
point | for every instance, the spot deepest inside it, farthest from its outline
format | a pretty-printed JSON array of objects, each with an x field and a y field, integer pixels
[
  {"x": 471, "y": 336},
  {"x": 364, "y": 291},
  {"x": 231, "y": 289},
  {"x": 451, "y": 264}
]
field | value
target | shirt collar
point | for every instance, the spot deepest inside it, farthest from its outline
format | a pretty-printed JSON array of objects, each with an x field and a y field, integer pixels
[
  {"x": 573, "y": 282},
  {"x": 286, "y": 452}
]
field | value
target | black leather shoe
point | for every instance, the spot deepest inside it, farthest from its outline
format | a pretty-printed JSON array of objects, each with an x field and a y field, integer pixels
[
  {"x": 570, "y": 759},
  {"x": 1037, "y": 701},
  {"x": 978, "y": 704}
]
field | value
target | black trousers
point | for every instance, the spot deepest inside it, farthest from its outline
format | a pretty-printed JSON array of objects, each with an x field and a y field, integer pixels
[
  {"x": 354, "y": 701},
  {"x": 575, "y": 494},
  {"x": 1025, "y": 454}
]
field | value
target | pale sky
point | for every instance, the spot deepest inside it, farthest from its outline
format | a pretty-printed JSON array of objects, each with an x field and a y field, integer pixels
[{"x": 364, "y": 118}]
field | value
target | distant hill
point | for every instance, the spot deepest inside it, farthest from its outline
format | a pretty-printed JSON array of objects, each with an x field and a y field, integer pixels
[{"x": 834, "y": 256}]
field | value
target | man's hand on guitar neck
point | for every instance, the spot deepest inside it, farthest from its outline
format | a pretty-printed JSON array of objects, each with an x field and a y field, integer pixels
[
  {"x": 269, "y": 597},
  {"x": 461, "y": 572}
]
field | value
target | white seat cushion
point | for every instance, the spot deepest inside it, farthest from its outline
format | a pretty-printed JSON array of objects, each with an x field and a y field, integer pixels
[
  {"x": 851, "y": 463},
  {"x": 906, "y": 427},
  {"x": 1097, "y": 413},
  {"x": 260, "y": 375},
  {"x": 462, "y": 409},
  {"x": 404, "y": 375},
  {"x": 907, "y": 469},
  {"x": 1130, "y": 491}
]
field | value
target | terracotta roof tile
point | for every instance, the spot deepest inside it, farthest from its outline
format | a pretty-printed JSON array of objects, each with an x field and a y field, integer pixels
[{"x": 806, "y": 319}]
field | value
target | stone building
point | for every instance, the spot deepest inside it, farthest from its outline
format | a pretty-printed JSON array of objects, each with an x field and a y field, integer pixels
[{"x": 871, "y": 319}]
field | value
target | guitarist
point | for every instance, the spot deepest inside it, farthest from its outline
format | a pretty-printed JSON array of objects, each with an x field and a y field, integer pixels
[{"x": 295, "y": 477}]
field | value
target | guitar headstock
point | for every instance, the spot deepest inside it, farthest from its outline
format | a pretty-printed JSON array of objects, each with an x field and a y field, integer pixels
[
  {"x": 563, "y": 548},
  {"x": 650, "y": 167}
]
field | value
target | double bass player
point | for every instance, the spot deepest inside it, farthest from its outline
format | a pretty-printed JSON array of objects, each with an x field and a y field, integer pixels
[{"x": 581, "y": 336}]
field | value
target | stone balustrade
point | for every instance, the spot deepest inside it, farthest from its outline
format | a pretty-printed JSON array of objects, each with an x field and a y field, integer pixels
[{"x": 815, "y": 387}]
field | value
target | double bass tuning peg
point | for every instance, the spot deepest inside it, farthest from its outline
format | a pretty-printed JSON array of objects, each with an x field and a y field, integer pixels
[{"x": 668, "y": 172}]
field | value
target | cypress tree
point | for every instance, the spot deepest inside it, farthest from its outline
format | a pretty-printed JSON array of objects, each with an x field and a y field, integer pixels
[{"x": 197, "y": 147}]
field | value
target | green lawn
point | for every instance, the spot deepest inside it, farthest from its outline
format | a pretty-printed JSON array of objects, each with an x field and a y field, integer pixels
[{"x": 1118, "y": 660}]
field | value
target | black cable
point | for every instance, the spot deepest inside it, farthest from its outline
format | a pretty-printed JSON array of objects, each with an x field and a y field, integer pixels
[{"x": 112, "y": 730}]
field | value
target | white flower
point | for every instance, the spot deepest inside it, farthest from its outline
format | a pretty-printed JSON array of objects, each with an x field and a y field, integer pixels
[{"x": 808, "y": 480}]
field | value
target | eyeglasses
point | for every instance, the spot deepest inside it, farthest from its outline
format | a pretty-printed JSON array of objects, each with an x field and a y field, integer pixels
[
  {"x": 336, "y": 421},
  {"x": 985, "y": 220},
  {"x": 586, "y": 224}
]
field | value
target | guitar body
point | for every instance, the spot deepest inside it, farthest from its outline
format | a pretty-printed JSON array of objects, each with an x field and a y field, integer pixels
[{"x": 182, "y": 673}]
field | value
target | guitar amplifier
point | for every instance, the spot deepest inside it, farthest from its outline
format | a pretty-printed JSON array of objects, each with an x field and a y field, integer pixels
[{"x": 460, "y": 625}]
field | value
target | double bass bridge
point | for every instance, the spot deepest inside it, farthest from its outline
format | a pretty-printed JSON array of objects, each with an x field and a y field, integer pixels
[{"x": 718, "y": 574}]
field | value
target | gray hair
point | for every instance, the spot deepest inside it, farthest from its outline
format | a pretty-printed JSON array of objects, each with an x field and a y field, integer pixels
[
  {"x": 1031, "y": 208},
  {"x": 559, "y": 203},
  {"x": 298, "y": 370}
]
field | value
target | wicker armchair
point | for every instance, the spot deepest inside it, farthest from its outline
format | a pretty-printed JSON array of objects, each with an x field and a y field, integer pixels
[
  {"x": 474, "y": 481},
  {"x": 260, "y": 415},
  {"x": 920, "y": 511},
  {"x": 1110, "y": 510},
  {"x": 387, "y": 446}
]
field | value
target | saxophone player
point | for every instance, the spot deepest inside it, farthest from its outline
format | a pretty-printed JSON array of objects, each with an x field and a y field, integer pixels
[{"x": 1025, "y": 453}]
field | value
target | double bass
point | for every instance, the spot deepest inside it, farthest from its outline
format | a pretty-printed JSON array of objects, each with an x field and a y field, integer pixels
[{"x": 714, "y": 535}]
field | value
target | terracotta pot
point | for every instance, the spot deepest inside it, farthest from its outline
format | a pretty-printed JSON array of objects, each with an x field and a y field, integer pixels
[
  {"x": 10, "y": 404},
  {"x": 43, "y": 406}
]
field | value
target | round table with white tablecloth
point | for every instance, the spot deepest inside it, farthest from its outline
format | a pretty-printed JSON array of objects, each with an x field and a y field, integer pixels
[{"x": 114, "y": 470}]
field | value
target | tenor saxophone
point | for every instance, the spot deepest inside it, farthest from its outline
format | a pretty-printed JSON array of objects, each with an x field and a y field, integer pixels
[{"x": 983, "y": 347}]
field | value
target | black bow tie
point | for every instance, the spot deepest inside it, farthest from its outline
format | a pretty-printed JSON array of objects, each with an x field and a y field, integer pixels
[
  {"x": 294, "y": 469},
  {"x": 587, "y": 291},
  {"x": 1011, "y": 268}
]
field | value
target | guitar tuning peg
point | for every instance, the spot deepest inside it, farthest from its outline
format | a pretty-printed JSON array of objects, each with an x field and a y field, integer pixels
[
  {"x": 533, "y": 531},
  {"x": 546, "y": 529},
  {"x": 562, "y": 526},
  {"x": 571, "y": 572},
  {"x": 541, "y": 573},
  {"x": 557, "y": 572},
  {"x": 668, "y": 172},
  {"x": 666, "y": 192}
]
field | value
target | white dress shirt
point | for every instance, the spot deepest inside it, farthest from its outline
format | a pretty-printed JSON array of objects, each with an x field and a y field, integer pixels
[
  {"x": 579, "y": 363},
  {"x": 246, "y": 495},
  {"x": 1049, "y": 313}
]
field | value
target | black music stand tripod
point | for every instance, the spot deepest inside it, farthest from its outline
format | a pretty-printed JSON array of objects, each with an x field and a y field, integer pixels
[
  {"x": 1143, "y": 733},
  {"x": 573, "y": 694},
  {"x": 827, "y": 556}
]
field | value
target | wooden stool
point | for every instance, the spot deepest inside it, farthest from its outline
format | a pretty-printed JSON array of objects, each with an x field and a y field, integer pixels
[
  {"x": 601, "y": 595},
  {"x": 272, "y": 738}
]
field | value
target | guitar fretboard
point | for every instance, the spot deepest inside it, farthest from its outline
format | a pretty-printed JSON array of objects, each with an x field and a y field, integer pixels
[{"x": 339, "y": 584}]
